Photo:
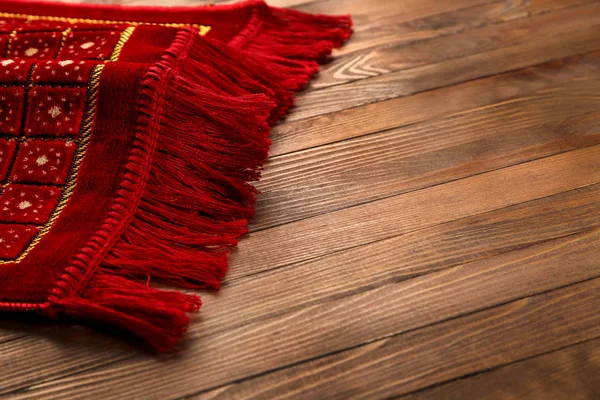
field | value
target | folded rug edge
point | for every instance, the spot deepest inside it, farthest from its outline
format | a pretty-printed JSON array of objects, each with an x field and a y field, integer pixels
[
  {"x": 184, "y": 200},
  {"x": 184, "y": 223}
]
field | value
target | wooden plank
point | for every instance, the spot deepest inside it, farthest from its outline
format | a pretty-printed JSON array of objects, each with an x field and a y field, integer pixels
[
  {"x": 470, "y": 14},
  {"x": 19, "y": 360},
  {"x": 566, "y": 33},
  {"x": 344, "y": 229},
  {"x": 400, "y": 258},
  {"x": 375, "y": 62},
  {"x": 404, "y": 257},
  {"x": 344, "y": 274},
  {"x": 435, "y": 38},
  {"x": 333, "y": 7},
  {"x": 401, "y": 111},
  {"x": 364, "y": 16},
  {"x": 569, "y": 373},
  {"x": 191, "y": 3},
  {"x": 393, "y": 17},
  {"x": 368, "y": 316},
  {"x": 317, "y": 181},
  {"x": 408, "y": 362},
  {"x": 385, "y": 29},
  {"x": 19, "y": 325},
  {"x": 372, "y": 12}
]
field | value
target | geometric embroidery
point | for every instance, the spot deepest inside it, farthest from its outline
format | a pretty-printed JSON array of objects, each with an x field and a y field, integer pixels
[
  {"x": 11, "y": 110},
  {"x": 49, "y": 73},
  {"x": 15, "y": 239},
  {"x": 49, "y": 82},
  {"x": 48, "y": 88},
  {"x": 39, "y": 45},
  {"x": 43, "y": 161},
  {"x": 55, "y": 111},
  {"x": 63, "y": 71},
  {"x": 19, "y": 73},
  {"x": 28, "y": 203},
  {"x": 7, "y": 152},
  {"x": 89, "y": 45}
]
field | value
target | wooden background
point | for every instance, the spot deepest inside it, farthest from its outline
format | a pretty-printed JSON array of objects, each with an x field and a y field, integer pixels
[{"x": 428, "y": 228}]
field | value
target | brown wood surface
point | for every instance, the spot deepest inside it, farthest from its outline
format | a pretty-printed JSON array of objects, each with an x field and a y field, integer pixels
[{"x": 429, "y": 228}]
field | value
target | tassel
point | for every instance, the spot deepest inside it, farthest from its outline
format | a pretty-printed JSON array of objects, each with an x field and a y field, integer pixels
[{"x": 160, "y": 317}]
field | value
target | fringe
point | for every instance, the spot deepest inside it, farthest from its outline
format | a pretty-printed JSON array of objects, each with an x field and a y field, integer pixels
[
  {"x": 291, "y": 44},
  {"x": 160, "y": 317},
  {"x": 212, "y": 139},
  {"x": 205, "y": 126}
]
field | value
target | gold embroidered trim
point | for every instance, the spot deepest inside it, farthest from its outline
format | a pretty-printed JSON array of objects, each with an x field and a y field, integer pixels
[
  {"x": 65, "y": 35},
  {"x": 11, "y": 37},
  {"x": 89, "y": 116},
  {"x": 203, "y": 29},
  {"x": 82, "y": 143},
  {"x": 125, "y": 35}
]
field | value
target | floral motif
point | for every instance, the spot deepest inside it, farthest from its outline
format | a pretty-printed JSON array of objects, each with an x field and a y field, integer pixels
[
  {"x": 43, "y": 161},
  {"x": 28, "y": 203},
  {"x": 55, "y": 111}
]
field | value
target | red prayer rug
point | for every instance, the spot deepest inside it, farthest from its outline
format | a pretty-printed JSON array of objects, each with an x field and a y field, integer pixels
[{"x": 128, "y": 141}]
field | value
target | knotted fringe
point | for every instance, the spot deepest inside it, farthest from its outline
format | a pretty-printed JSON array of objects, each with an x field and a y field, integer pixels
[
  {"x": 211, "y": 141},
  {"x": 207, "y": 135}
]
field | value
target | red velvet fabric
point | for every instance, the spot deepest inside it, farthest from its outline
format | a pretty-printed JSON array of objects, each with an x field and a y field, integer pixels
[
  {"x": 32, "y": 279},
  {"x": 127, "y": 142},
  {"x": 227, "y": 22}
]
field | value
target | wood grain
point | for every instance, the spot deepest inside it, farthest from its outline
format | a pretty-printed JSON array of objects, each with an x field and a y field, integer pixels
[
  {"x": 403, "y": 363},
  {"x": 388, "y": 310},
  {"x": 498, "y": 52},
  {"x": 375, "y": 15},
  {"x": 299, "y": 186},
  {"x": 92, "y": 352},
  {"x": 429, "y": 227},
  {"x": 382, "y": 219},
  {"x": 380, "y": 29},
  {"x": 435, "y": 38},
  {"x": 373, "y": 118},
  {"x": 404, "y": 257},
  {"x": 569, "y": 373}
]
